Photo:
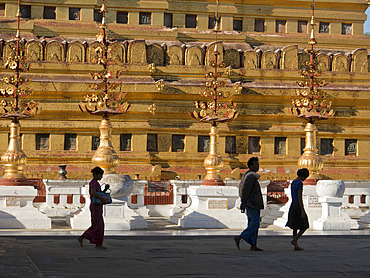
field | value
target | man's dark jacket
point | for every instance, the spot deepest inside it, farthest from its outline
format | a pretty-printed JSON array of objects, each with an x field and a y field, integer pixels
[{"x": 250, "y": 193}]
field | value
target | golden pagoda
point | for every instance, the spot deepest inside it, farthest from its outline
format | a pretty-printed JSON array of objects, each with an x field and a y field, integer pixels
[{"x": 162, "y": 50}]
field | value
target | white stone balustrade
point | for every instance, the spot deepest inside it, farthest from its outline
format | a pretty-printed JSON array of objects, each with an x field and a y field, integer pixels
[
  {"x": 210, "y": 206},
  {"x": 180, "y": 189},
  {"x": 138, "y": 191},
  {"x": 63, "y": 188},
  {"x": 359, "y": 192}
]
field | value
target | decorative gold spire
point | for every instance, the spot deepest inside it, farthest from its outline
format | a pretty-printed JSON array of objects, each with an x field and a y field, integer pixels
[
  {"x": 312, "y": 40},
  {"x": 311, "y": 105},
  {"x": 106, "y": 103},
  {"x": 218, "y": 108},
  {"x": 217, "y": 27},
  {"x": 14, "y": 106}
]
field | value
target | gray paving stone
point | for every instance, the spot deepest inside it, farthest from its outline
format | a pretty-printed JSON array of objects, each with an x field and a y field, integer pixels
[
  {"x": 200, "y": 256},
  {"x": 14, "y": 262}
]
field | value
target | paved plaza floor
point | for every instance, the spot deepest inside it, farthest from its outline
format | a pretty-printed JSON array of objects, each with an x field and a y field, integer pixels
[{"x": 188, "y": 253}]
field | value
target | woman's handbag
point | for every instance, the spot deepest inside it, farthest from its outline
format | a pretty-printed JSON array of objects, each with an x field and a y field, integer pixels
[{"x": 105, "y": 195}]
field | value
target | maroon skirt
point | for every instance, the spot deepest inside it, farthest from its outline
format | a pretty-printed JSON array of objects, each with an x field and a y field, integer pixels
[{"x": 96, "y": 232}]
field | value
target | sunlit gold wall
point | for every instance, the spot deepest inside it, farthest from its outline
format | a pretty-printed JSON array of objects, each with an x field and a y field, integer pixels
[{"x": 266, "y": 63}]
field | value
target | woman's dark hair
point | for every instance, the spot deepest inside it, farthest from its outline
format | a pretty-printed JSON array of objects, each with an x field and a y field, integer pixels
[
  {"x": 97, "y": 170},
  {"x": 304, "y": 173},
  {"x": 251, "y": 161}
]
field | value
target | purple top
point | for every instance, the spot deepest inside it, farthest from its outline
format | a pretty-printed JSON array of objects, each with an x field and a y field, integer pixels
[
  {"x": 295, "y": 186},
  {"x": 94, "y": 184}
]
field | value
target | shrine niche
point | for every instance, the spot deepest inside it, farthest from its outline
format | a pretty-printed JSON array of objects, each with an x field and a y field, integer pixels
[
  {"x": 340, "y": 63},
  {"x": 174, "y": 55},
  {"x": 8, "y": 49},
  {"x": 193, "y": 56},
  {"x": 91, "y": 53},
  {"x": 155, "y": 54},
  {"x": 302, "y": 59},
  {"x": 34, "y": 51},
  {"x": 250, "y": 60},
  {"x": 137, "y": 52},
  {"x": 75, "y": 53},
  {"x": 117, "y": 52},
  {"x": 209, "y": 53},
  {"x": 323, "y": 62},
  {"x": 232, "y": 58},
  {"x": 54, "y": 52},
  {"x": 269, "y": 60},
  {"x": 289, "y": 57},
  {"x": 359, "y": 60}
]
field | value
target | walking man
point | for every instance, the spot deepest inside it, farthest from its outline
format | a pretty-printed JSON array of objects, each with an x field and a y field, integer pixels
[{"x": 252, "y": 203}]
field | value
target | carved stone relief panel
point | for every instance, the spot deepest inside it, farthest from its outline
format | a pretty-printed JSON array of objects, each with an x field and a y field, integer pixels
[
  {"x": 155, "y": 54},
  {"x": 34, "y": 51},
  {"x": 91, "y": 53},
  {"x": 8, "y": 49},
  {"x": 193, "y": 56},
  {"x": 117, "y": 52},
  {"x": 269, "y": 60},
  {"x": 323, "y": 62},
  {"x": 137, "y": 52},
  {"x": 232, "y": 58},
  {"x": 54, "y": 52},
  {"x": 174, "y": 55},
  {"x": 75, "y": 53},
  {"x": 340, "y": 63},
  {"x": 209, "y": 53},
  {"x": 359, "y": 60},
  {"x": 250, "y": 59},
  {"x": 289, "y": 57},
  {"x": 302, "y": 58}
]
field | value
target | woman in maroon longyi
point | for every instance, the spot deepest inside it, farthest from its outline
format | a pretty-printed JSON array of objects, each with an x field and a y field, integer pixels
[{"x": 95, "y": 234}]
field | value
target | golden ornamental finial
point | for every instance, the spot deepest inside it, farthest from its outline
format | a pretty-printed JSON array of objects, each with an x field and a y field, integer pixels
[
  {"x": 103, "y": 10},
  {"x": 18, "y": 15},
  {"x": 312, "y": 40},
  {"x": 217, "y": 19}
]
